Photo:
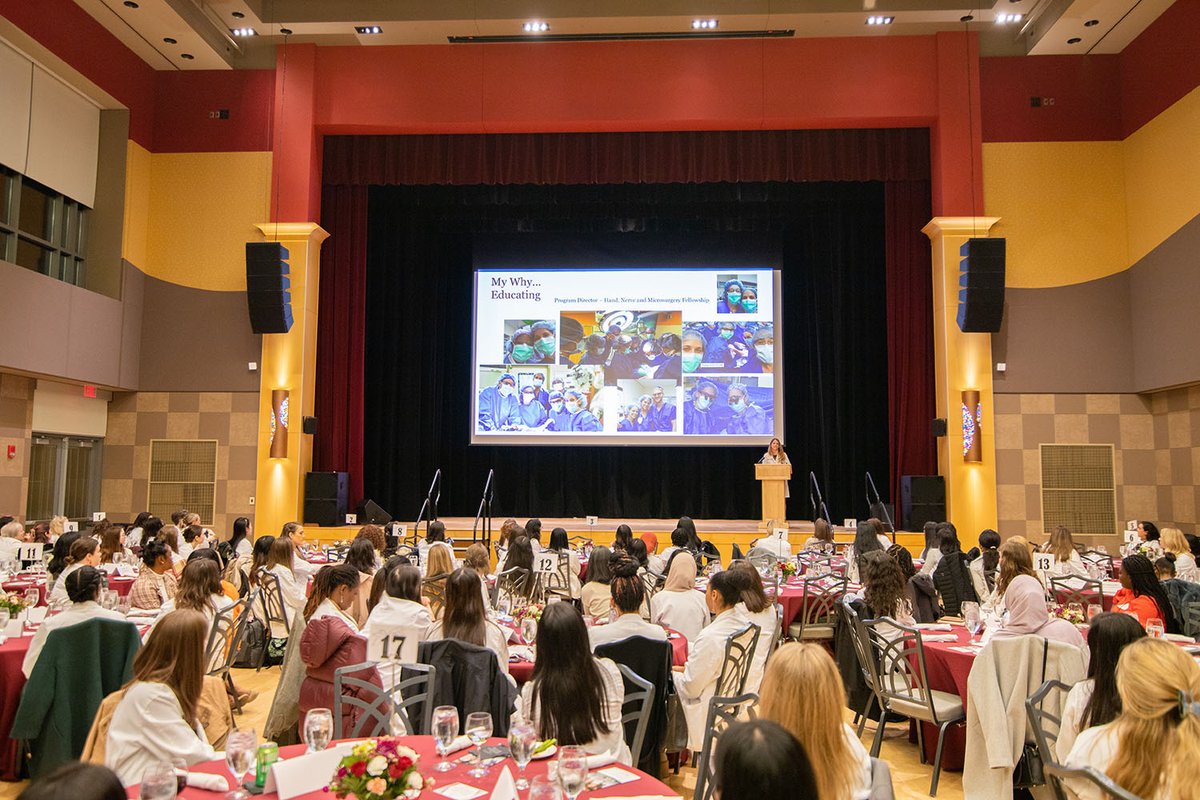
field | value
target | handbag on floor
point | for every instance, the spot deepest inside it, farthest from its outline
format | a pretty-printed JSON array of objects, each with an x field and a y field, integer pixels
[{"x": 1030, "y": 771}]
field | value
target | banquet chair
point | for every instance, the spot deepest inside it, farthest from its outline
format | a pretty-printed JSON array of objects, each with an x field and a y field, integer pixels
[
  {"x": 652, "y": 582},
  {"x": 637, "y": 708},
  {"x": 1108, "y": 788},
  {"x": 903, "y": 687},
  {"x": 1191, "y": 617},
  {"x": 739, "y": 653},
  {"x": 271, "y": 596},
  {"x": 722, "y": 712},
  {"x": 866, "y": 664},
  {"x": 762, "y": 559},
  {"x": 407, "y": 551},
  {"x": 337, "y": 553},
  {"x": 817, "y": 608},
  {"x": 411, "y": 700},
  {"x": 1074, "y": 589},
  {"x": 558, "y": 583},
  {"x": 433, "y": 588},
  {"x": 512, "y": 582},
  {"x": 1046, "y": 727},
  {"x": 649, "y": 659},
  {"x": 1104, "y": 560},
  {"x": 225, "y": 640}
]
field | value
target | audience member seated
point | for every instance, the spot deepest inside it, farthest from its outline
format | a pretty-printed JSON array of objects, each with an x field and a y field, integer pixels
[
  {"x": 169, "y": 536},
  {"x": 803, "y": 692},
  {"x": 60, "y": 557},
  {"x": 654, "y": 562},
  {"x": 678, "y": 605},
  {"x": 520, "y": 554},
  {"x": 560, "y": 545},
  {"x": 573, "y": 696},
  {"x": 628, "y": 598},
  {"x": 300, "y": 566},
  {"x": 12, "y": 534},
  {"x": 822, "y": 539},
  {"x": 1025, "y": 599},
  {"x": 985, "y": 566},
  {"x": 112, "y": 543},
  {"x": 1095, "y": 701},
  {"x": 241, "y": 542},
  {"x": 466, "y": 619},
  {"x": 76, "y": 780},
  {"x": 477, "y": 559},
  {"x": 362, "y": 557},
  {"x": 533, "y": 531},
  {"x": 952, "y": 577},
  {"x": 1152, "y": 748},
  {"x": 623, "y": 538},
  {"x": 696, "y": 681},
  {"x": 292, "y": 585},
  {"x": 156, "y": 719},
  {"x": 865, "y": 541},
  {"x": 378, "y": 539},
  {"x": 678, "y": 544},
  {"x": 755, "y": 608},
  {"x": 83, "y": 588},
  {"x": 932, "y": 554},
  {"x": 1142, "y": 594},
  {"x": 434, "y": 534},
  {"x": 199, "y": 590},
  {"x": 776, "y": 544},
  {"x": 761, "y": 760},
  {"x": 155, "y": 583},
  {"x": 596, "y": 596},
  {"x": 259, "y": 557},
  {"x": 438, "y": 567},
  {"x": 1067, "y": 560},
  {"x": 885, "y": 591},
  {"x": 85, "y": 552},
  {"x": 1175, "y": 544},
  {"x": 399, "y": 613}
]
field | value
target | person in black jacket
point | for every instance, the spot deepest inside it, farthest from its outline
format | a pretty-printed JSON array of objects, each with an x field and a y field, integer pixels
[{"x": 953, "y": 576}]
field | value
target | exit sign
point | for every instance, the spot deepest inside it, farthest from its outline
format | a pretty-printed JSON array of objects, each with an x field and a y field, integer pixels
[{"x": 89, "y": 390}]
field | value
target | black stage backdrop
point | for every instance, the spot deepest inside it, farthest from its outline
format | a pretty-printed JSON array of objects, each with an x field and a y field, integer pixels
[{"x": 418, "y": 346}]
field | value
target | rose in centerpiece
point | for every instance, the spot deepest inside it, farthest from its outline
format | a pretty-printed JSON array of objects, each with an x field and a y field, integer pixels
[
  {"x": 1071, "y": 615},
  {"x": 787, "y": 568},
  {"x": 13, "y": 603},
  {"x": 531, "y": 611},
  {"x": 379, "y": 769}
]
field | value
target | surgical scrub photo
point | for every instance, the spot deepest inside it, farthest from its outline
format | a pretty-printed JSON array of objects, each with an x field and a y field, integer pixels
[
  {"x": 713, "y": 407},
  {"x": 532, "y": 344},
  {"x": 498, "y": 404}
]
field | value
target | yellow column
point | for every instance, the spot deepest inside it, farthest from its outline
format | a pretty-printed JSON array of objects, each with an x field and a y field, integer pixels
[
  {"x": 962, "y": 362},
  {"x": 289, "y": 362}
]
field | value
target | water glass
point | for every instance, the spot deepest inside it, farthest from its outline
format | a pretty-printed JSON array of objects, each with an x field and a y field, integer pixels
[
  {"x": 32, "y": 597},
  {"x": 478, "y": 730},
  {"x": 5, "y": 618},
  {"x": 972, "y": 618},
  {"x": 544, "y": 788},
  {"x": 445, "y": 731},
  {"x": 522, "y": 738},
  {"x": 1092, "y": 610},
  {"x": 529, "y": 630},
  {"x": 241, "y": 748},
  {"x": 318, "y": 729},
  {"x": 572, "y": 771},
  {"x": 159, "y": 782},
  {"x": 1155, "y": 628}
]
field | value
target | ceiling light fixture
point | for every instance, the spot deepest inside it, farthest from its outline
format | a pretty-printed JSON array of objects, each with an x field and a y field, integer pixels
[
  {"x": 536, "y": 26},
  {"x": 1074, "y": 40},
  {"x": 238, "y": 15},
  {"x": 368, "y": 29},
  {"x": 1004, "y": 19},
  {"x": 1091, "y": 23},
  {"x": 243, "y": 32},
  {"x": 880, "y": 20},
  {"x": 186, "y": 56},
  {"x": 704, "y": 24}
]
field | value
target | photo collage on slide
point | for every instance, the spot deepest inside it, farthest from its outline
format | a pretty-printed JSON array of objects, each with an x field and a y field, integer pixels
[{"x": 703, "y": 368}]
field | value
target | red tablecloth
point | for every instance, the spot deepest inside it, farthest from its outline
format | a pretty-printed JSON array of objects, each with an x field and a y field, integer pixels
[
  {"x": 424, "y": 745},
  {"x": 120, "y": 585},
  {"x": 947, "y": 670},
  {"x": 522, "y": 671},
  {"x": 791, "y": 597},
  {"x": 19, "y": 585},
  {"x": 12, "y": 681}
]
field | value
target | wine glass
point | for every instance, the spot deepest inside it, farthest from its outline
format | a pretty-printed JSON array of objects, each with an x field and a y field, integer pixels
[
  {"x": 544, "y": 788},
  {"x": 318, "y": 729},
  {"x": 32, "y": 598},
  {"x": 572, "y": 771},
  {"x": 159, "y": 782},
  {"x": 972, "y": 618},
  {"x": 5, "y": 618},
  {"x": 1155, "y": 628},
  {"x": 521, "y": 740},
  {"x": 445, "y": 730},
  {"x": 478, "y": 729},
  {"x": 241, "y": 748},
  {"x": 1093, "y": 609},
  {"x": 529, "y": 630}
]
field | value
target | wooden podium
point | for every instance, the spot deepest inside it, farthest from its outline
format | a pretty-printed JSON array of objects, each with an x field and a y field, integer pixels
[{"x": 774, "y": 478}]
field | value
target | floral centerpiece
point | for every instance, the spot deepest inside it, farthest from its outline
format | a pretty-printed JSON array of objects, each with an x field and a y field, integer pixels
[
  {"x": 1071, "y": 615},
  {"x": 379, "y": 769},
  {"x": 787, "y": 568},
  {"x": 12, "y": 603},
  {"x": 531, "y": 611}
]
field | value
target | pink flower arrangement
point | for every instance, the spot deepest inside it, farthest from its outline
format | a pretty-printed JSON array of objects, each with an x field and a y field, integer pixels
[
  {"x": 1071, "y": 615},
  {"x": 379, "y": 769},
  {"x": 787, "y": 568}
]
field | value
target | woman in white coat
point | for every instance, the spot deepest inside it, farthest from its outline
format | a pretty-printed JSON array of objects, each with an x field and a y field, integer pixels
[
  {"x": 398, "y": 622},
  {"x": 696, "y": 681},
  {"x": 293, "y": 586},
  {"x": 82, "y": 587}
]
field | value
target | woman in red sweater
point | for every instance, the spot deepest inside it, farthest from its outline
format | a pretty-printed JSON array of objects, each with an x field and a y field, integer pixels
[{"x": 1142, "y": 594}]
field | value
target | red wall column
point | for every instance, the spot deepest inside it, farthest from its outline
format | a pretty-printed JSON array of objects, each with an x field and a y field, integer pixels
[
  {"x": 296, "y": 168},
  {"x": 956, "y": 150}
]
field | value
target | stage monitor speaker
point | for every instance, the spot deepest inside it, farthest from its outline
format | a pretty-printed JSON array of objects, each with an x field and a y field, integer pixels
[
  {"x": 922, "y": 499},
  {"x": 981, "y": 285},
  {"x": 309, "y": 425},
  {"x": 268, "y": 289},
  {"x": 939, "y": 427},
  {"x": 369, "y": 513},
  {"x": 326, "y": 498}
]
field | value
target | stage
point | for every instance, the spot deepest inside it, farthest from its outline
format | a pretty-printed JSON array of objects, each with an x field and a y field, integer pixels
[{"x": 723, "y": 533}]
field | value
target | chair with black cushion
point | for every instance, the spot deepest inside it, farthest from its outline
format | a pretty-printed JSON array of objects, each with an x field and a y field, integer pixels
[
  {"x": 410, "y": 700},
  {"x": 902, "y": 681},
  {"x": 637, "y": 709},
  {"x": 722, "y": 712},
  {"x": 1046, "y": 726},
  {"x": 1075, "y": 589},
  {"x": 651, "y": 659},
  {"x": 818, "y": 608}
]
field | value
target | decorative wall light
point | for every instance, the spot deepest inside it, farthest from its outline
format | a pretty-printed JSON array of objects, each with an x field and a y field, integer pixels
[
  {"x": 972, "y": 415},
  {"x": 279, "y": 423}
]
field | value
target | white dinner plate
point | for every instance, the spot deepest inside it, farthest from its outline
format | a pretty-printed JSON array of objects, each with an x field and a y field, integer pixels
[{"x": 549, "y": 751}]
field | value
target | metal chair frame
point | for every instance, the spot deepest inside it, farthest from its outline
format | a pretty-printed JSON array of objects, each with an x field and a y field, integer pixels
[
  {"x": 1075, "y": 589},
  {"x": 1046, "y": 738},
  {"x": 434, "y": 588},
  {"x": 512, "y": 581},
  {"x": 388, "y": 701},
  {"x": 1108, "y": 788},
  {"x": 558, "y": 582},
  {"x": 225, "y": 640},
  {"x": 643, "y": 705},
  {"x": 818, "y": 605},
  {"x": 739, "y": 653},
  {"x": 274, "y": 609},
  {"x": 722, "y": 712},
  {"x": 868, "y": 668},
  {"x": 761, "y": 558}
]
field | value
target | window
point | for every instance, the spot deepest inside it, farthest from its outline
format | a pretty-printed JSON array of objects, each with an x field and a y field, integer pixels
[
  {"x": 64, "y": 477},
  {"x": 183, "y": 474},
  {"x": 41, "y": 229}
]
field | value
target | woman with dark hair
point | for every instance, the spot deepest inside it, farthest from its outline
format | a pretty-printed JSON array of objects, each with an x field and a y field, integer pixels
[
  {"x": 76, "y": 780},
  {"x": 1149, "y": 541},
  {"x": 85, "y": 552},
  {"x": 623, "y": 538},
  {"x": 1095, "y": 701},
  {"x": 933, "y": 538},
  {"x": 133, "y": 536},
  {"x": 1141, "y": 593},
  {"x": 258, "y": 558},
  {"x": 865, "y": 541},
  {"x": 83, "y": 588},
  {"x": 983, "y": 568},
  {"x": 561, "y": 546},
  {"x": 757, "y": 609},
  {"x": 933, "y": 556},
  {"x": 573, "y": 696},
  {"x": 822, "y": 539},
  {"x": 466, "y": 619},
  {"x": 279, "y": 563},
  {"x": 885, "y": 591},
  {"x": 241, "y": 542},
  {"x": 628, "y": 594},
  {"x": 760, "y": 759},
  {"x": 899, "y": 553},
  {"x": 435, "y": 533},
  {"x": 361, "y": 556},
  {"x": 378, "y": 539},
  {"x": 156, "y": 719},
  {"x": 400, "y": 616},
  {"x": 533, "y": 530},
  {"x": 953, "y": 577},
  {"x": 60, "y": 557},
  {"x": 595, "y": 595},
  {"x": 637, "y": 551},
  {"x": 199, "y": 590}
]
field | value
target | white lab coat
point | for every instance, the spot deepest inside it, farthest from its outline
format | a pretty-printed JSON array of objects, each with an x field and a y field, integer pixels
[
  {"x": 765, "y": 620},
  {"x": 295, "y": 596},
  {"x": 1072, "y": 566},
  {"x": 931, "y": 561},
  {"x": 396, "y": 617},
  {"x": 698, "y": 681},
  {"x": 244, "y": 548},
  {"x": 147, "y": 728},
  {"x": 74, "y": 614},
  {"x": 58, "y": 595},
  {"x": 1072, "y": 717},
  {"x": 685, "y": 612},
  {"x": 775, "y": 545},
  {"x": 611, "y": 742},
  {"x": 301, "y": 568},
  {"x": 623, "y": 627},
  {"x": 1095, "y": 747}
]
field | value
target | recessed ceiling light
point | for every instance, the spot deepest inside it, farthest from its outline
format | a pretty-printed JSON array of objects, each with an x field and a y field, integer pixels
[
  {"x": 285, "y": 31},
  {"x": 368, "y": 29},
  {"x": 243, "y": 32},
  {"x": 237, "y": 15},
  {"x": 704, "y": 24},
  {"x": 187, "y": 56},
  {"x": 131, "y": 4},
  {"x": 1091, "y": 23},
  {"x": 1074, "y": 40},
  {"x": 536, "y": 26},
  {"x": 1004, "y": 19},
  {"x": 880, "y": 20},
  {"x": 966, "y": 18},
  {"x": 169, "y": 40}
]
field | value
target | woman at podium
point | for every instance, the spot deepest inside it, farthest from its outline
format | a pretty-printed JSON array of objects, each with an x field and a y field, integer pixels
[{"x": 775, "y": 455}]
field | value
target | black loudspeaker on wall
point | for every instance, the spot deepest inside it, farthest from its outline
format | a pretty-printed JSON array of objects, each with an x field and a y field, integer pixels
[
  {"x": 981, "y": 286},
  {"x": 939, "y": 426},
  {"x": 309, "y": 425},
  {"x": 922, "y": 499},
  {"x": 325, "y": 498},
  {"x": 268, "y": 288}
]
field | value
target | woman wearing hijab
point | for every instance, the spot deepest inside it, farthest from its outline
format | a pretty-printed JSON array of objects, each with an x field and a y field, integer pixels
[
  {"x": 1025, "y": 600},
  {"x": 654, "y": 563},
  {"x": 679, "y": 606}
]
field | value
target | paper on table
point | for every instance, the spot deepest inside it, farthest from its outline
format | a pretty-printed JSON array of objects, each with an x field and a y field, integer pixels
[
  {"x": 304, "y": 774},
  {"x": 939, "y": 637},
  {"x": 460, "y": 791},
  {"x": 933, "y": 626},
  {"x": 506, "y": 786}
]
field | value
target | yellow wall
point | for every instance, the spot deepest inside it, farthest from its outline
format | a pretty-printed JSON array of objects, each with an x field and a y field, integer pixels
[
  {"x": 202, "y": 210},
  {"x": 137, "y": 204},
  {"x": 1061, "y": 207}
]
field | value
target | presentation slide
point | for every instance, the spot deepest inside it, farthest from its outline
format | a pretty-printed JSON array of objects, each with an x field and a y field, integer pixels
[{"x": 627, "y": 356}]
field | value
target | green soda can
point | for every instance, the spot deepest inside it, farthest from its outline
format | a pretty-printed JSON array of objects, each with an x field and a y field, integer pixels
[{"x": 268, "y": 754}]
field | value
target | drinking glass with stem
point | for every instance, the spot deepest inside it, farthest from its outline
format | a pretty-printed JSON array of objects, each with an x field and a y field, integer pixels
[
  {"x": 972, "y": 618},
  {"x": 521, "y": 740},
  {"x": 318, "y": 729},
  {"x": 159, "y": 782},
  {"x": 572, "y": 771},
  {"x": 32, "y": 596},
  {"x": 445, "y": 730},
  {"x": 478, "y": 730},
  {"x": 241, "y": 748}
]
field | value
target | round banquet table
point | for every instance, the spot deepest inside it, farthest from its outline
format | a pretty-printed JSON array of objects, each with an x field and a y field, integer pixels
[
  {"x": 121, "y": 585},
  {"x": 424, "y": 745},
  {"x": 791, "y": 597},
  {"x": 522, "y": 670},
  {"x": 12, "y": 681},
  {"x": 20, "y": 584}
]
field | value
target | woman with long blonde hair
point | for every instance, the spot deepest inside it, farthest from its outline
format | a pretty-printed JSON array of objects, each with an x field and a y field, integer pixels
[
  {"x": 1176, "y": 548},
  {"x": 803, "y": 692},
  {"x": 437, "y": 572},
  {"x": 1067, "y": 560},
  {"x": 1152, "y": 749}
]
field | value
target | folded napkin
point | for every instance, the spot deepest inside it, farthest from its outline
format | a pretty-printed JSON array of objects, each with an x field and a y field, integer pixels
[
  {"x": 939, "y": 637},
  {"x": 506, "y": 787},
  {"x": 460, "y": 743},
  {"x": 602, "y": 760},
  {"x": 206, "y": 781},
  {"x": 933, "y": 626},
  {"x": 520, "y": 652}
]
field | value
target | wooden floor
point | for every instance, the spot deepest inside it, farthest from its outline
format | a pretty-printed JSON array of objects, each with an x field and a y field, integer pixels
[{"x": 910, "y": 776}]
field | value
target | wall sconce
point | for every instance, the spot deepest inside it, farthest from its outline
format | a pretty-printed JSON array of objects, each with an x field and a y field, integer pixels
[
  {"x": 279, "y": 423},
  {"x": 972, "y": 415}
]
